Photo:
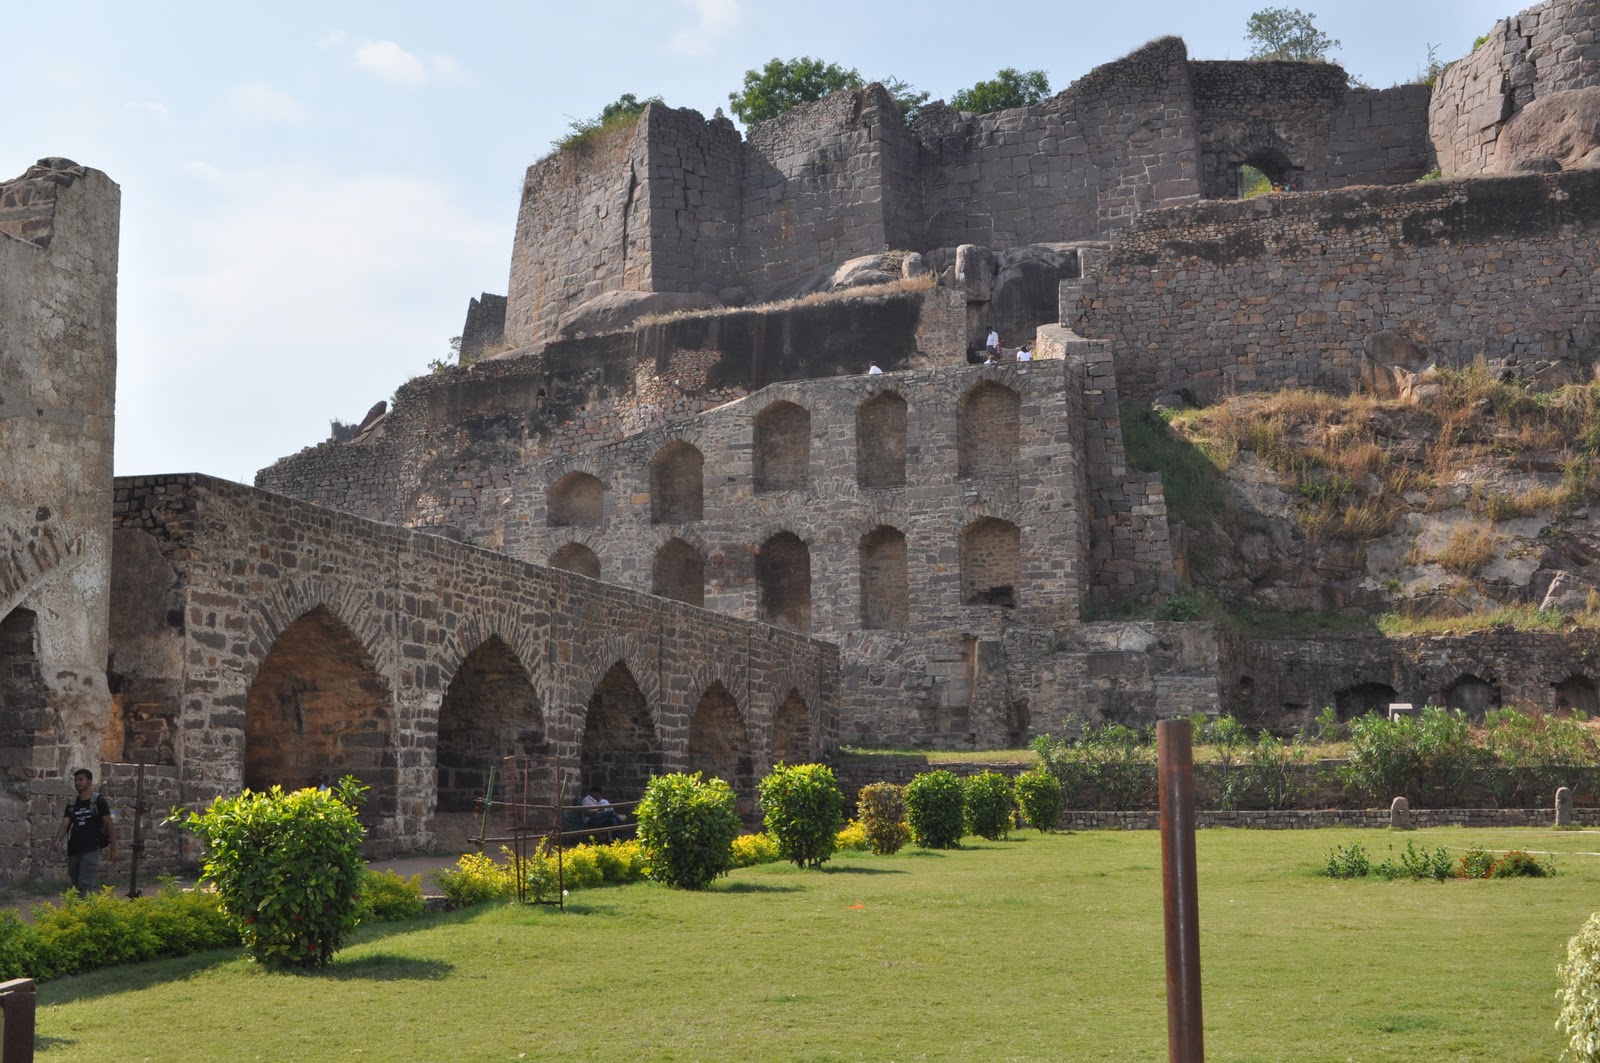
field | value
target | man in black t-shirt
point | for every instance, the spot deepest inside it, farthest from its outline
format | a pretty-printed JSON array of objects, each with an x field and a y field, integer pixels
[{"x": 87, "y": 827}]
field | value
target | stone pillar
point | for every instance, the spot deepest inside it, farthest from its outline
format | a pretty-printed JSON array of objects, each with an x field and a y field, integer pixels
[
  {"x": 1563, "y": 807},
  {"x": 1400, "y": 814}
]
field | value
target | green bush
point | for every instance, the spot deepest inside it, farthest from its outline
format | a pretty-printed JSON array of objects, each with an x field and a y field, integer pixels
[
  {"x": 1580, "y": 993},
  {"x": 388, "y": 898},
  {"x": 102, "y": 930},
  {"x": 882, "y": 808},
  {"x": 935, "y": 809},
  {"x": 687, "y": 827},
  {"x": 1039, "y": 795},
  {"x": 1111, "y": 762},
  {"x": 1518, "y": 864},
  {"x": 1229, "y": 739},
  {"x": 476, "y": 878},
  {"x": 19, "y": 948},
  {"x": 802, "y": 809},
  {"x": 987, "y": 802},
  {"x": 1475, "y": 863},
  {"x": 752, "y": 849},
  {"x": 1351, "y": 862},
  {"x": 288, "y": 868},
  {"x": 1383, "y": 761},
  {"x": 852, "y": 838},
  {"x": 1418, "y": 864},
  {"x": 1273, "y": 773}
]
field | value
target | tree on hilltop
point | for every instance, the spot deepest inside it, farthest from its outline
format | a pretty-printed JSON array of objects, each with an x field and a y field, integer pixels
[
  {"x": 783, "y": 84},
  {"x": 1007, "y": 89},
  {"x": 1287, "y": 33},
  {"x": 619, "y": 112}
]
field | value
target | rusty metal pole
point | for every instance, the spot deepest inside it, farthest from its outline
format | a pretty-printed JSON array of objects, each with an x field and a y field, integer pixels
[
  {"x": 18, "y": 1003},
  {"x": 1180, "y": 892}
]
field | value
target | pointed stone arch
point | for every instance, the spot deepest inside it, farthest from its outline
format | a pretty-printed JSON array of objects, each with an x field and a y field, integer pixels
[
  {"x": 988, "y": 431},
  {"x": 317, "y": 710},
  {"x": 490, "y": 710},
  {"x": 1362, "y": 698},
  {"x": 881, "y": 441},
  {"x": 679, "y": 573},
  {"x": 24, "y": 705},
  {"x": 577, "y": 500},
  {"x": 285, "y": 601},
  {"x": 991, "y": 562},
  {"x": 793, "y": 730},
  {"x": 1472, "y": 695},
  {"x": 719, "y": 744},
  {"x": 576, "y": 557},
  {"x": 677, "y": 484},
  {"x": 885, "y": 587},
  {"x": 1576, "y": 693},
  {"x": 783, "y": 580},
  {"x": 620, "y": 749},
  {"x": 780, "y": 453}
]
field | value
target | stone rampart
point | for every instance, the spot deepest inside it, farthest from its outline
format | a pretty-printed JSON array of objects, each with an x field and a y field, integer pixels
[
  {"x": 58, "y": 313},
  {"x": 1288, "y": 290},
  {"x": 298, "y": 643}
]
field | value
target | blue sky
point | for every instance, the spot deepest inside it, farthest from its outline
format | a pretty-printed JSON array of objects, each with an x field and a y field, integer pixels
[{"x": 312, "y": 192}]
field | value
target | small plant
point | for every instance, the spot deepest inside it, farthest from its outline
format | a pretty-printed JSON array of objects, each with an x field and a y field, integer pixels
[
  {"x": 1348, "y": 862},
  {"x": 987, "y": 802},
  {"x": 1580, "y": 993},
  {"x": 1519, "y": 864},
  {"x": 1039, "y": 795},
  {"x": 288, "y": 868},
  {"x": 934, "y": 809},
  {"x": 1418, "y": 864},
  {"x": 1475, "y": 863},
  {"x": 476, "y": 878},
  {"x": 852, "y": 838},
  {"x": 1469, "y": 549},
  {"x": 388, "y": 898},
  {"x": 802, "y": 809},
  {"x": 752, "y": 849},
  {"x": 1179, "y": 607},
  {"x": 1329, "y": 729},
  {"x": 687, "y": 827},
  {"x": 882, "y": 808}
]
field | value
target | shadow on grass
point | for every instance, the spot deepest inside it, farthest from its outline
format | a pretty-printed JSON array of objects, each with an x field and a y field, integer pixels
[
  {"x": 133, "y": 976},
  {"x": 846, "y": 869},
  {"x": 45, "y": 1044},
  {"x": 754, "y": 887},
  {"x": 386, "y": 967}
]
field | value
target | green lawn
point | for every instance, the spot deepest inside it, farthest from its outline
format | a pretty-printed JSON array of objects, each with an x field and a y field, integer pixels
[{"x": 1038, "y": 948}]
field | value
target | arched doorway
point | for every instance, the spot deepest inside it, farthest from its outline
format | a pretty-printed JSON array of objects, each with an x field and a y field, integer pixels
[
  {"x": 576, "y": 500},
  {"x": 781, "y": 452},
  {"x": 1577, "y": 693},
  {"x": 783, "y": 575},
  {"x": 1358, "y": 700},
  {"x": 720, "y": 747},
  {"x": 575, "y": 557},
  {"x": 991, "y": 563},
  {"x": 620, "y": 750},
  {"x": 679, "y": 573},
  {"x": 1471, "y": 695},
  {"x": 884, "y": 586},
  {"x": 881, "y": 441},
  {"x": 677, "y": 484},
  {"x": 317, "y": 711},
  {"x": 988, "y": 431},
  {"x": 791, "y": 731},
  {"x": 490, "y": 711}
]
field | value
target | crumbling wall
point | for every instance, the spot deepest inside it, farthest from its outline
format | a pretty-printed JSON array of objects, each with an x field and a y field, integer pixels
[
  {"x": 1289, "y": 290},
  {"x": 1530, "y": 60},
  {"x": 58, "y": 291}
]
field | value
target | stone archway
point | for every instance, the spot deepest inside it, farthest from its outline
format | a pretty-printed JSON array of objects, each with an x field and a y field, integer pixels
[
  {"x": 991, "y": 563},
  {"x": 1576, "y": 693},
  {"x": 1362, "y": 698},
  {"x": 677, "y": 484},
  {"x": 988, "y": 431},
  {"x": 620, "y": 750},
  {"x": 575, "y": 557},
  {"x": 884, "y": 585},
  {"x": 881, "y": 441},
  {"x": 781, "y": 450},
  {"x": 577, "y": 500},
  {"x": 679, "y": 573},
  {"x": 719, "y": 745},
  {"x": 791, "y": 731},
  {"x": 1472, "y": 695},
  {"x": 318, "y": 710},
  {"x": 783, "y": 576},
  {"x": 490, "y": 711}
]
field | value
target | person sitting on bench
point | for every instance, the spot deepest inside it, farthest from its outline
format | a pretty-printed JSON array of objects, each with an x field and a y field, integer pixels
[{"x": 597, "y": 811}]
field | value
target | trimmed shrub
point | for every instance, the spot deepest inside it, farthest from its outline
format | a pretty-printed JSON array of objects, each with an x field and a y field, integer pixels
[
  {"x": 388, "y": 898},
  {"x": 1475, "y": 864},
  {"x": 802, "y": 809},
  {"x": 852, "y": 838},
  {"x": 1351, "y": 862},
  {"x": 475, "y": 878},
  {"x": 478, "y": 877},
  {"x": 934, "y": 809},
  {"x": 102, "y": 930},
  {"x": 687, "y": 827},
  {"x": 580, "y": 868},
  {"x": 1518, "y": 864},
  {"x": 882, "y": 808},
  {"x": 288, "y": 868},
  {"x": 1580, "y": 993},
  {"x": 19, "y": 948},
  {"x": 986, "y": 805},
  {"x": 1040, "y": 797},
  {"x": 620, "y": 862},
  {"x": 752, "y": 849}
]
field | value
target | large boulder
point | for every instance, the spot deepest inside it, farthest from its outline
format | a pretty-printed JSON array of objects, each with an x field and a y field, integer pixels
[
  {"x": 1560, "y": 131},
  {"x": 612, "y": 311},
  {"x": 1395, "y": 367}
]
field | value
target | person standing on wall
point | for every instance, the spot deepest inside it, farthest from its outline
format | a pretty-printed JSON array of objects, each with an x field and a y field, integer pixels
[{"x": 87, "y": 827}]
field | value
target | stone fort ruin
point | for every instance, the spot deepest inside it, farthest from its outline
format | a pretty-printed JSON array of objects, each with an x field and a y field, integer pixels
[{"x": 660, "y": 517}]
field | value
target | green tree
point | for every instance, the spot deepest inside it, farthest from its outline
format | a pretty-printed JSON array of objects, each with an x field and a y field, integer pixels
[
  {"x": 802, "y": 810},
  {"x": 687, "y": 827},
  {"x": 619, "y": 112},
  {"x": 1287, "y": 33},
  {"x": 1008, "y": 88},
  {"x": 783, "y": 84},
  {"x": 907, "y": 100}
]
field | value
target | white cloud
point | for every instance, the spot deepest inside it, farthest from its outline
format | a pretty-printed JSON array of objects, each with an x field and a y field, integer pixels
[
  {"x": 390, "y": 62},
  {"x": 331, "y": 40},
  {"x": 151, "y": 106},
  {"x": 256, "y": 101},
  {"x": 714, "y": 18}
]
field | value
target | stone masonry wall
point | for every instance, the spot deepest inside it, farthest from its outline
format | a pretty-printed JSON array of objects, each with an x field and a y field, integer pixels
[
  {"x": 1284, "y": 291},
  {"x": 58, "y": 304},
  {"x": 1546, "y": 50},
  {"x": 443, "y": 456},
  {"x": 415, "y": 608}
]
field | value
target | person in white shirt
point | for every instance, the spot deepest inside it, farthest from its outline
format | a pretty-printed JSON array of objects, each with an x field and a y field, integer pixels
[
  {"x": 873, "y": 370},
  {"x": 993, "y": 342},
  {"x": 597, "y": 811},
  {"x": 1023, "y": 355}
]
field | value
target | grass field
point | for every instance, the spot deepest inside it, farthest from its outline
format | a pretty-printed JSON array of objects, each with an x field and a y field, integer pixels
[{"x": 1037, "y": 948}]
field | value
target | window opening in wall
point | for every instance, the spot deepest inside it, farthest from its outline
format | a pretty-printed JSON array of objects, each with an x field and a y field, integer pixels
[
  {"x": 1265, "y": 171},
  {"x": 679, "y": 573},
  {"x": 881, "y": 441},
  {"x": 988, "y": 430},
  {"x": 620, "y": 750},
  {"x": 318, "y": 710},
  {"x": 791, "y": 731},
  {"x": 575, "y": 500},
  {"x": 781, "y": 455},
  {"x": 991, "y": 563},
  {"x": 783, "y": 575},
  {"x": 719, "y": 747},
  {"x": 1577, "y": 693},
  {"x": 22, "y": 689},
  {"x": 884, "y": 584},
  {"x": 1358, "y": 700},
  {"x": 677, "y": 485},
  {"x": 575, "y": 557},
  {"x": 490, "y": 711},
  {"x": 1472, "y": 696}
]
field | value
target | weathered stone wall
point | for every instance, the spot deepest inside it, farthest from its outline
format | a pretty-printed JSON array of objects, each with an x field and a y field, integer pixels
[
  {"x": 1286, "y": 291},
  {"x": 1533, "y": 57},
  {"x": 484, "y": 331},
  {"x": 443, "y": 456},
  {"x": 58, "y": 292},
  {"x": 1283, "y": 683},
  {"x": 1299, "y": 124},
  {"x": 397, "y": 617}
]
